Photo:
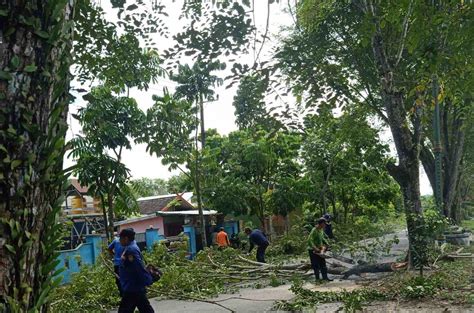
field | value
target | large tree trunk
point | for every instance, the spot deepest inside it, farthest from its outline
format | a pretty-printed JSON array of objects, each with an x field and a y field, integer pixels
[
  {"x": 407, "y": 141},
  {"x": 453, "y": 142},
  {"x": 34, "y": 82}
]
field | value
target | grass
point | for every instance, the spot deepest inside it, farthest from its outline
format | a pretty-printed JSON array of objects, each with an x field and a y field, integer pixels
[{"x": 468, "y": 224}]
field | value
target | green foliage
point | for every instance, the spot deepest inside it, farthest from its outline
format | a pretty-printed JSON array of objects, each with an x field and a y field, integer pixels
[
  {"x": 429, "y": 227},
  {"x": 347, "y": 168},
  {"x": 252, "y": 172},
  {"x": 169, "y": 125},
  {"x": 179, "y": 183},
  {"x": 112, "y": 53},
  {"x": 146, "y": 187},
  {"x": 368, "y": 251},
  {"x": 99, "y": 152},
  {"x": 292, "y": 243},
  {"x": 197, "y": 81},
  {"x": 92, "y": 289},
  {"x": 449, "y": 282},
  {"x": 212, "y": 31},
  {"x": 418, "y": 287},
  {"x": 352, "y": 300},
  {"x": 249, "y": 104}
]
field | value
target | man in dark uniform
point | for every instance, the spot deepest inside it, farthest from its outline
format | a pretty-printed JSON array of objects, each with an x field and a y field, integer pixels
[
  {"x": 257, "y": 238},
  {"x": 133, "y": 276},
  {"x": 328, "y": 228}
]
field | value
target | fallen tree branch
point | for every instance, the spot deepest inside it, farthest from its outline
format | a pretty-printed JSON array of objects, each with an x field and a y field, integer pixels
[{"x": 369, "y": 268}]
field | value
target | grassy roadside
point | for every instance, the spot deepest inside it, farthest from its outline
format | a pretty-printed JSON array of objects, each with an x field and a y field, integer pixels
[
  {"x": 449, "y": 283},
  {"x": 468, "y": 224}
]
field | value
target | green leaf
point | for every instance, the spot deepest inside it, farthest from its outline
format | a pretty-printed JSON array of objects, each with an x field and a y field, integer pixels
[
  {"x": 15, "y": 163},
  {"x": 10, "y": 248},
  {"x": 30, "y": 68},
  {"x": 15, "y": 61},
  {"x": 42, "y": 34},
  {"x": 3, "y": 13},
  {"x": 5, "y": 75}
]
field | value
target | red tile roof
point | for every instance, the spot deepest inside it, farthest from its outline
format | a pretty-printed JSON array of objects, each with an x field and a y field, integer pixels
[{"x": 75, "y": 183}]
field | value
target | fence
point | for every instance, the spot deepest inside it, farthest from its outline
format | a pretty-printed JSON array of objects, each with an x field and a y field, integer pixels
[{"x": 88, "y": 252}]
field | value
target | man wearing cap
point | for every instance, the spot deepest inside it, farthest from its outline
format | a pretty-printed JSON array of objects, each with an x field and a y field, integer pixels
[
  {"x": 133, "y": 276},
  {"x": 317, "y": 245}
]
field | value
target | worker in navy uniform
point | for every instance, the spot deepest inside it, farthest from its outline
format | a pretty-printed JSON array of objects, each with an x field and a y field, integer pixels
[
  {"x": 134, "y": 278},
  {"x": 257, "y": 238},
  {"x": 328, "y": 228}
]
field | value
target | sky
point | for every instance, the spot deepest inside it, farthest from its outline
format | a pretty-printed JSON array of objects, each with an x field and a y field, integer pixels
[{"x": 218, "y": 114}]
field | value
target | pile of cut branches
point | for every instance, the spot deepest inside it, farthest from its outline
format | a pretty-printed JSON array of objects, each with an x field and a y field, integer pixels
[{"x": 213, "y": 272}]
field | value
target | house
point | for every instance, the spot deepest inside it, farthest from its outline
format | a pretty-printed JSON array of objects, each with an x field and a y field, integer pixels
[
  {"x": 172, "y": 215},
  {"x": 78, "y": 201},
  {"x": 82, "y": 212}
]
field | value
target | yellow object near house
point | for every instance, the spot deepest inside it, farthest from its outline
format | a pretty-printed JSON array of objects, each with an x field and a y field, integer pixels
[
  {"x": 97, "y": 205},
  {"x": 77, "y": 204}
]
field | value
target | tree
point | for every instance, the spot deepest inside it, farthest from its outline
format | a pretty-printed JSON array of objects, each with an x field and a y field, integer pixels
[
  {"x": 249, "y": 104},
  {"x": 252, "y": 173},
  {"x": 347, "y": 168},
  {"x": 179, "y": 183},
  {"x": 34, "y": 83},
  {"x": 103, "y": 145},
  {"x": 170, "y": 124},
  {"x": 146, "y": 187},
  {"x": 195, "y": 85},
  {"x": 366, "y": 54}
]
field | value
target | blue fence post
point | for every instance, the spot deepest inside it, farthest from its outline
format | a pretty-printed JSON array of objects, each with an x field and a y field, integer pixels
[
  {"x": 151, "y": 236},
  {"x": 231, "y": 227},
  {"x": 191, "y": 233},
  {"x": 96, "y": 245}
]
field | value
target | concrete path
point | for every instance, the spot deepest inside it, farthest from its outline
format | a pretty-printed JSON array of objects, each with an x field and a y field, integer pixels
[
  {"x": 246, "y": 300},
  {"x": 262, "y": 300}
]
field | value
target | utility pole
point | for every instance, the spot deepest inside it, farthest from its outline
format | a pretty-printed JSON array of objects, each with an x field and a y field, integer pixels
[{"x": 438, "y": 188}]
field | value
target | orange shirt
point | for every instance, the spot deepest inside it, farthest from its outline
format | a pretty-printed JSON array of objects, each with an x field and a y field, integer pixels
[{"x": 222, "y": 239}]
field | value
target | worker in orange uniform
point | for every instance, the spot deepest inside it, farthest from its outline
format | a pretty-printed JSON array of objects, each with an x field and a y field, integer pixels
[{"x": 222, "y": 239}]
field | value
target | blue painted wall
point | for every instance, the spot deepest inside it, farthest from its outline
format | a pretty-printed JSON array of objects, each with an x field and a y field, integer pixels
[
  {"x": 88, "y": 253},
  {"x": 85, "y": 254},
  {"x": 152, "y": 236}
]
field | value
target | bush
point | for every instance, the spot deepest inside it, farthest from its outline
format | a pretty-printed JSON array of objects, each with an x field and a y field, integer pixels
[
  {"x": 292, "y": 243},
  {"x": 93, "y": 289}
]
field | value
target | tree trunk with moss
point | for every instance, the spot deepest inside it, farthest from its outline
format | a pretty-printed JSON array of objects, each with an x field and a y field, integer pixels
[{"x": 35, "y": 46}]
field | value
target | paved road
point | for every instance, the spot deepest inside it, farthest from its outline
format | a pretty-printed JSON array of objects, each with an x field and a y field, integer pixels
[{"x": 262, "y": 300}]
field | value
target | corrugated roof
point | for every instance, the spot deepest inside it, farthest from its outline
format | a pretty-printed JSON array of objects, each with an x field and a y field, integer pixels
[
  {"x": 153, "y": 204},
  {"x": 135, "y": 219}
]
